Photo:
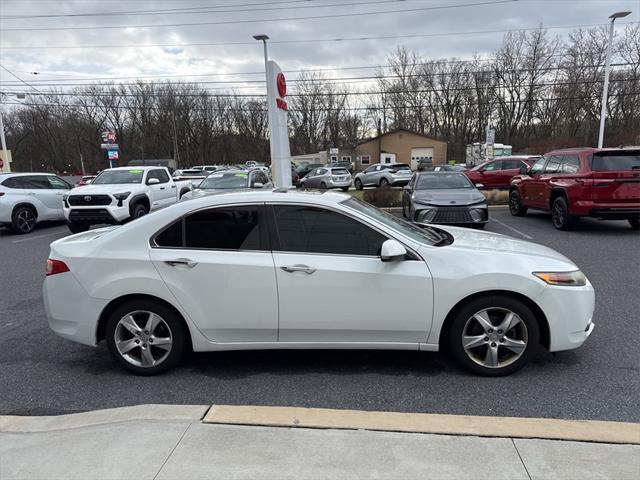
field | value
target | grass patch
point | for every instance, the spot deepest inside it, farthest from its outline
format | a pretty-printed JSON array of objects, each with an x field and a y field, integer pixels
[{"x": 496, "y": 197}]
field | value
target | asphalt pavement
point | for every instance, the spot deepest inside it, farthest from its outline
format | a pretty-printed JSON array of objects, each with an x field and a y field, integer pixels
[{"x": 42, "y": 374}]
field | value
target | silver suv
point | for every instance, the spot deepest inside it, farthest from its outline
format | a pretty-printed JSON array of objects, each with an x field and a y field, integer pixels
[
  {"x": 327, "y": 177},
  {"x": 27, "y": 198},
  {"x": 383, "y": 175}
]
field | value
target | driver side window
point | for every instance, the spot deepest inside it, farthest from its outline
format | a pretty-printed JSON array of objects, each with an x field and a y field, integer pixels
[{"x": 538, "y": 167}]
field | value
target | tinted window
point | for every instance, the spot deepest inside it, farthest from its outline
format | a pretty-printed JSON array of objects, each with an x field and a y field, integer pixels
[
  {"x": 493, "y": 166},
  {"x": 511, "y": 164},
  {"x": 171, "y": 236},
  {"x": 58, "y": 183},
  {"x": 162, "y": 175},
  {"x": 339, "y": 171},
  {"x": 315, "y": 230},
  {"x": 442, "y": 180},
  {"x": 616, "y": 161},
  {"x": 538, "y": 167},
  {"x": 225, "y": 181},
  {"x": 570, "y": 164},
  {"x": 553, "y": 165},
  {"x": 114, "y": 177},
  {"x": 16, "y": 182},
  {"x": 233, "y": 228}
]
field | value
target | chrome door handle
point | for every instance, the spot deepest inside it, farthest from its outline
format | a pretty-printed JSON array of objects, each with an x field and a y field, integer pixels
[
  {"x": 299, "y": 268},
  {"x": 181, "y": 262}
]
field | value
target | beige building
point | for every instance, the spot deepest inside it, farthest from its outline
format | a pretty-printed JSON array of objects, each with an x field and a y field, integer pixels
[
  {"x": 400, "y": 146},
  {"x": 326, "y": 156}
]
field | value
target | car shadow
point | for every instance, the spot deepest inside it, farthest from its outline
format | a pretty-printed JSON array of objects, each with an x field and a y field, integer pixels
[
  {"x": 40, "y": 227},
  {"x": 587, "y": 224}
]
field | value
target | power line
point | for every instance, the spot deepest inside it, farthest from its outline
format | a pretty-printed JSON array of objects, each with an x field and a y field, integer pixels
[
  {"x": 202, "y": 9},
  {"x": 311, "y": 40},
  {"x": 236, "y": 22}
]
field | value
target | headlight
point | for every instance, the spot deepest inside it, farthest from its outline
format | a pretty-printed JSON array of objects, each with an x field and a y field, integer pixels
[
  {"x": 425, "y": 215},
  {"x": 565, "y": 279},
  {"x": 121, "y": 196}
]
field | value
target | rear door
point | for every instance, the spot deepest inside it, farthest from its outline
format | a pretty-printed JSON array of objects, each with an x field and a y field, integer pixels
[
  {"x": 490, "y": 175},
  {"x": 218, "y": 265},
  {"x": 510, "y": 168},
  {"x": 616, "y": 177}
]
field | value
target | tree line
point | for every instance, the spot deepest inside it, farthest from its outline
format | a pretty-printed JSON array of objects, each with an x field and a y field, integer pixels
[{"x": 538, "y": 91}]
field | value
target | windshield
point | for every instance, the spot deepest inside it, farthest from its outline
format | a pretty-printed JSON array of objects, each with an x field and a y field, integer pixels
[
  {"x": 400, "y": 167},
  {"x": 426, "y": 235},
  {"x": 227, "y": 180},
  {"x": 607, "y": 161},
  {"x": 442, "y": 181},
  {"x": 114, "y": 177},
  {"x": 339, "y": 171}
]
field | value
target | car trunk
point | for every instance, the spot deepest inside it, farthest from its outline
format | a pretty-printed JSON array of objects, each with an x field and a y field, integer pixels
[{"x": 615, "y": 177}]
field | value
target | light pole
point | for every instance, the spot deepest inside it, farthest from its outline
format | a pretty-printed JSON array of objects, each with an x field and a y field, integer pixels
[
  {"x": 3, "y": 141},
  {"x": 607, "y": 68},
  {"x": 263, "y": 38}
]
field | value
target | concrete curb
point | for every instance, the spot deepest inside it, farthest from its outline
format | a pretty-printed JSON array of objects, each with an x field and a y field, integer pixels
[
  {"x": 164, "y": 413},
  {"x": 508, "y": 427}
]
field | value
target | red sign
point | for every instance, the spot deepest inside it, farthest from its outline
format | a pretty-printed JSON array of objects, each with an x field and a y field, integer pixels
[
  {"x": 282, "y": 85},
  {"x": 1, "y": 163},
  {"x": 281, "y": 104}
]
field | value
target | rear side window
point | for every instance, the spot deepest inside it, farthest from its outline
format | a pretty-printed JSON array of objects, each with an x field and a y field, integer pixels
[
  {"x": 229, "y": 228},
  {"x": 608, "y": 161},
  {"x": 570, "y": 164},
  {"x": 315, "y": 230},
  {"x": 511, "y": 164},
  {"x": 489, "y": 167},
  {"x": 553, "y": 165},
  {"x": 15, "y": 182}
]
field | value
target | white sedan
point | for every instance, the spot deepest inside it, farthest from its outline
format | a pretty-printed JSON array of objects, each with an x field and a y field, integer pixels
[{"x": 254, "y": 270}]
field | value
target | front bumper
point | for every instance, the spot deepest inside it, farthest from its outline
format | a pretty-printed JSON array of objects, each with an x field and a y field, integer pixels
[
  {"x": 569, "y": 312},
  {"x": 466, "y": 215},
  {"x": 97, "y": 215}
]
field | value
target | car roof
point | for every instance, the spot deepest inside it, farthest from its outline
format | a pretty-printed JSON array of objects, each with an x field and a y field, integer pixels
[
  {"x": 133, "y": 167},
  {"x": 283, "y": 195},
  {"x": 591, "y": 149},
  {"x": 22, "y": 174}
]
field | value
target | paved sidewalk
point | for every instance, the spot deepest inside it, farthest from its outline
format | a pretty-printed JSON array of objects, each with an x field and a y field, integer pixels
[{"x": 165, "y": 442}]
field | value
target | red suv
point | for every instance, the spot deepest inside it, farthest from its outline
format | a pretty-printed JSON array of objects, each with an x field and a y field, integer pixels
[
  {"x": 581, "y": 182},
  {"x": 499, "y": 172}
]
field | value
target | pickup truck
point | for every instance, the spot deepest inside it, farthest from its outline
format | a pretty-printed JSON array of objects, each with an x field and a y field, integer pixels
[{"x": 120, "y": 194}]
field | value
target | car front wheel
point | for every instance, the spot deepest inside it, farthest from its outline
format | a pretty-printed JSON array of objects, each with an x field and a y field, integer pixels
[
  {"x": 493, "y": 336},
  {"x": 139, "y": 210},
  {"x": 384, "y": 182},
  {"x": 515, "y": 207},
  {"x": 358, "y": 184},
  {"x": 145, "y": 337}
]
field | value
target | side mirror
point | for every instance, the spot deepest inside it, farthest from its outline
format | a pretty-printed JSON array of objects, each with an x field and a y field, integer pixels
[
  {"x": 153, "y": 181},
  {"x": 523, "y": 170},
  {"x": 258, "y": 185},
  {"x": 407, "y": 188},
  {"x": 481, "y": 171},
  {"x": 392, "y": 250}
]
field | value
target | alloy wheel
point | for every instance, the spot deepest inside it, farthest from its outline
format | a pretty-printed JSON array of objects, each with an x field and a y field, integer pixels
[
  {"x": 514, "y": 202},
  {"x": 25, "y": 220},
  {"x": 558, "y": 214},
  {"x": 495, "y": 337},
  {"x": 143, "y": 338}
]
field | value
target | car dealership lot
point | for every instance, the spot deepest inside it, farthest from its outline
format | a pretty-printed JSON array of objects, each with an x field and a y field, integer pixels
[{"x": 41, "y": 373}]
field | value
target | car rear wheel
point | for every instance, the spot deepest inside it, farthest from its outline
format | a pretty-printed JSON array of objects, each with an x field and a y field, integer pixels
[
  {"x": 635, "y": 223},
  {"x": 384, "y": 182},
  {"x": 323, "y": 186},
  {"x": 77, "y": 227},
  {"x": 358, "y": 184},
  {"x": 560, "y": 214},
  {"x": 494, "y": 336},
  {"x": 23, "y": 220},
  {"x": 145, "y": 337},
  {"x": 515, "y": 207}
]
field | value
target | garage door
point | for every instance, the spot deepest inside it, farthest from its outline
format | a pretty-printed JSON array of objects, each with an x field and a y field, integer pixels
[{"x": 421, "y": 153}]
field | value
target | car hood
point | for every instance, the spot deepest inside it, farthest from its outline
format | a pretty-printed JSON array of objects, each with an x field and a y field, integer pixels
[
  {"x": 448, "y": 197},
  {"x": 106, "y": 189},
  {"x": 466, "y": 238}
]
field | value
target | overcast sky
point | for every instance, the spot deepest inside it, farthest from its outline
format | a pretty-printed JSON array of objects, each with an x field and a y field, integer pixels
[{"x": 455, "y": 24}]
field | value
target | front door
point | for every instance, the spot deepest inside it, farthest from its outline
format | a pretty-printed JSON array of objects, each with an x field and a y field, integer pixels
[
  {"x": 162, "y": 194},
  {"x": 532, "y": 186},
  {"x": 218, "y": 266},
  {"x": 333, "y": 287}
]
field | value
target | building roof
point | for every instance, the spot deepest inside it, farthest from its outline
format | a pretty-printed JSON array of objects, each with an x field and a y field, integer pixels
[{"x": 403, "y": 130}]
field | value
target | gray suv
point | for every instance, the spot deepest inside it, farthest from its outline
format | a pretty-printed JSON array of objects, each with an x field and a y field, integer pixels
[
  {"x": 327, "y": 177},
  {"x": 383, "y": 175}
]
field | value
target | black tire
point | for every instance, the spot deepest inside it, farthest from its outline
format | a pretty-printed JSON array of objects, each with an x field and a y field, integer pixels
[
  {"x": 515, "y": 206},
  {"x": 23, "y": 220},
  {"x": 178, "y": 334},
  {"x": 635, "y": 223},
  {"x": 358, "y": 184},
  {"x": 323, "y": 186},
  {"x": 560, "y": 214},
  {"x": 345, "y": 189},
  {"x": 384, "y": 182},
  {"x": 139, "y": 210},
  {"x": 77, "y": 227},
  {"x": 404, "y": 208},
  {"x": 465, "y": 314}
]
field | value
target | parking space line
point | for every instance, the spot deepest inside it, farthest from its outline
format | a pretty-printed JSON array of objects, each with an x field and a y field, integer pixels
[
  {"x": 38, "y": 236},
  {"x": 528, "y": 237}
]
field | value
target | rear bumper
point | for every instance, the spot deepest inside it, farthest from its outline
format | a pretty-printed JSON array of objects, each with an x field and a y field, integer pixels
[
  {"x": 605, "y": 211},
  {"x": 339, "y": 183},
  {"x": 402, "y": 181}
]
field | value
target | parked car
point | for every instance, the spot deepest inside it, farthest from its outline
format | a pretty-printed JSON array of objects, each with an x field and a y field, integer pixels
[
  {"x": 343, "y": 164},
  {"x": 295, "y": 177},
  {"x": 120, "y": 194},
  {"x": 327, "y": 177},
  {"x": 383, "y": 175},
  {"x": 440, "y": 168},
  {"x": 192, "y": 175},
  {"x": 149, "y": 288},
  {"x": 28, "y": 198},
  {"x": 304, "y": 168},
  {"x": 444, "y": 197},
  {"x": 86, "y": 180},
  {"x": 499, "y": 172},
  {"x": 581, "y": 182},
  {"x": 208, "y": 168},
  {"x": 230, "y": 180}
]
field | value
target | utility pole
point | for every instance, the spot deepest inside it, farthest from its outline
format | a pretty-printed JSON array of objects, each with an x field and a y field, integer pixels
[
  {"x": 82, "y": 164},
  {"x": 5, "y": 156}
]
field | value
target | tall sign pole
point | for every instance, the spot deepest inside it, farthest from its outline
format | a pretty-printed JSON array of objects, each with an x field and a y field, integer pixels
[{"x": 278, "y": 121}]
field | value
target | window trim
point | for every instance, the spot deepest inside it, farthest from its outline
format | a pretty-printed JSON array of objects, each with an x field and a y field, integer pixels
[
  {"x": 265, "y": 238},
  {"x": 412, "y": 255}
]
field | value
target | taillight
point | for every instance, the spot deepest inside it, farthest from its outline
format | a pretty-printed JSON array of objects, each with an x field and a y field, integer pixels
[{"x": 56, "y": 266}]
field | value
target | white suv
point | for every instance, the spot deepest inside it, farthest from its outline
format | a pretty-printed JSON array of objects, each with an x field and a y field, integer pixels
[{"x": 28, "y": 198}]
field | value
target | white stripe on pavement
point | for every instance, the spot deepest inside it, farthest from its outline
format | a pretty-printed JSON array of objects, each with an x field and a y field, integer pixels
[
  {"x": 528, "y": 237},
  {"x": 38, "y": 236}
]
